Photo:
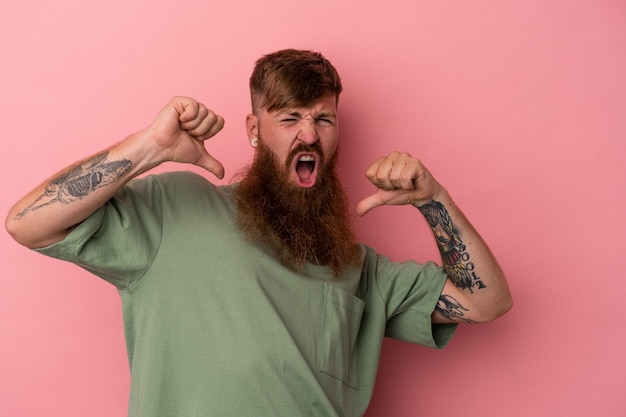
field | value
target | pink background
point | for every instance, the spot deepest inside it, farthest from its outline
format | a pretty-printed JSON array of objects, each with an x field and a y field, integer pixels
[{"x": 517, "y": 107}]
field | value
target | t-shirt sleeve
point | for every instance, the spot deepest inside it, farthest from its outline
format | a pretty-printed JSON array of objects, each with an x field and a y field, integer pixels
[
  {"x": 410, "y": 292},
  {"x": 120, "y": 240}
]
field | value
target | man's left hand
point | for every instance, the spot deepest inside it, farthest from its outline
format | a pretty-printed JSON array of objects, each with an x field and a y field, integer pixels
[{"x": 400, "y": 179}]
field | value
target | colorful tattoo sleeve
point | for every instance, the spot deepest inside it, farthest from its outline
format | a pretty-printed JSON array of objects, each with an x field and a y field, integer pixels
[{"x": 456, "y": 260}]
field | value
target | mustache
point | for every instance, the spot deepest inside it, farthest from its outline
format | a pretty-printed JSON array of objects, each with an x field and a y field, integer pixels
[{"x": 313, "y": 148}]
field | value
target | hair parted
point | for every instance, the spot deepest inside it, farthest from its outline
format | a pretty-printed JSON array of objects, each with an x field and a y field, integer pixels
[{"x": 292, "y": 77}]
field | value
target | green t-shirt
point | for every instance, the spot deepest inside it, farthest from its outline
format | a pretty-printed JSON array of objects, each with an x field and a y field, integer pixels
[{"x": 215, "y": 325}]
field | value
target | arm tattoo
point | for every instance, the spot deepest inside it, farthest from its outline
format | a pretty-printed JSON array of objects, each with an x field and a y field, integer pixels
[
  {"x": 456, "y": 260},
  {"x": 79, "y": 182},
  {"x": 449, "y": 308}
]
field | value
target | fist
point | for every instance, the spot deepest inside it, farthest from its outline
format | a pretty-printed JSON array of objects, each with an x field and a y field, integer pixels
[
  {"x": 400, "y": 179},
  {"x": 181, "y": 128}
]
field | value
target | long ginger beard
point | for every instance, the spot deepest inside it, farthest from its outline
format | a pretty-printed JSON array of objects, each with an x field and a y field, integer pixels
[{"x": 300, "y": 224}]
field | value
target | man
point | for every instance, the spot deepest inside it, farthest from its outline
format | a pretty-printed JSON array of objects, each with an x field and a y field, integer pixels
[{"x": 255, "y": 298}]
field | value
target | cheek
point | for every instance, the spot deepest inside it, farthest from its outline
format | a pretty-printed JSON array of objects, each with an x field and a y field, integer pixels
[
  {"x": 277, "y": 146},
  {"x": 330, "y": 147}
]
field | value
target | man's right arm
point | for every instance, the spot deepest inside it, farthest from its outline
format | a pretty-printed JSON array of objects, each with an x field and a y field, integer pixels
[{"x": 49, "y": 213}]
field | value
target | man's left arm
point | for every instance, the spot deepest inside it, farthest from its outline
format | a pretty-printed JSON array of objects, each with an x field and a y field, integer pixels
[{"x": 476, "y": 290}]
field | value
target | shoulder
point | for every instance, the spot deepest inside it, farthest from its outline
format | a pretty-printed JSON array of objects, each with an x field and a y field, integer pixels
[
  {"x": 172, "y": 183},
  {"x": 186, "y": 189},
  {"x": 178, "y": 179}
]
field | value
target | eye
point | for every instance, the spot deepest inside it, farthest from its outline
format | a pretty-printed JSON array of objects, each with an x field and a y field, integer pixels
[
  {"x": 325, "y": 122},
  {"x": 289, "y": 120}
]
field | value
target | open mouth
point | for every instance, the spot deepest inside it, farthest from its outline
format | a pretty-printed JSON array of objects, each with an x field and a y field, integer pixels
[{"x": 305, "y": 169}]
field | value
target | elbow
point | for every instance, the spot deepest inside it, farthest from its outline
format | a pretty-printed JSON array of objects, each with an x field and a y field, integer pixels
[
  {"x": 10, "y": 225},
  {"x": 13, "y": 227},
  {"x": 505, "y": 302},
  {"x": 498, "y": 303},
  {"x": 26, "y": 232},
  {"x": 498, "y": 309},
  {"x": 504, "y": 307}
]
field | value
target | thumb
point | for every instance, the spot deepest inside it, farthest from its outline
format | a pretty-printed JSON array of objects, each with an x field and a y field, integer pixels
[
  {"x": 368, "y": 203},
  {"x": 211, "y": 164}
]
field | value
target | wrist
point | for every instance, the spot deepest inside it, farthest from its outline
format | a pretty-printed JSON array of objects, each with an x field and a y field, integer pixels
[
  {"x": 141, "y": 151},
  {"x": 440, "y": 195}
]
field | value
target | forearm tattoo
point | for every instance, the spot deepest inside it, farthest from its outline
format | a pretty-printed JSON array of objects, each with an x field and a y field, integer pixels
[
  {"x": 456, "y": 260},
  {"x": 79, "y": 182}
]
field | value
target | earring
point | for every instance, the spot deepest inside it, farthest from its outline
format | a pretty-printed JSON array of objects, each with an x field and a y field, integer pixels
[{"x": 254, "y": 142}]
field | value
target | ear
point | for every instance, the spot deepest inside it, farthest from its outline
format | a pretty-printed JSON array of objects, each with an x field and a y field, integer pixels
[{"x": 252, "y": 126}]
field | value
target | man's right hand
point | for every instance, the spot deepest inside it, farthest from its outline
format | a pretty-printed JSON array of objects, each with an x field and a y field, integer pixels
[
  {"x": 179, "y": 131},
  {"x": 51, "y": 210}
]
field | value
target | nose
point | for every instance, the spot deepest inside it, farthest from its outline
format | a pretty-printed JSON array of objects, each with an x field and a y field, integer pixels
[{"x": 308, "y": 132}]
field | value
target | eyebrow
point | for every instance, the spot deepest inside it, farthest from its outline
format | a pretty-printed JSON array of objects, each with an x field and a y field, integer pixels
[{"x": 296, "y": 113}]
